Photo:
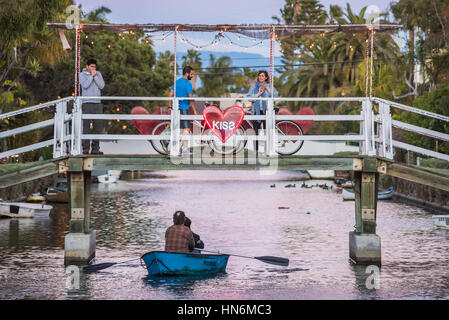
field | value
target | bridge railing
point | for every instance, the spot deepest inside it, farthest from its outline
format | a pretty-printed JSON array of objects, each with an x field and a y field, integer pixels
[
  {"x": 385, "y": 124},
  {"x": 365, "y": 138},
  {"x": 375, "y": 136},
  {"x": 60, "y": 122}
]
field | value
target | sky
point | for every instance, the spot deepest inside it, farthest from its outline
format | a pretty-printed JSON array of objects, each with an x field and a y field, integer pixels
[{"x": 206, "y": 12}]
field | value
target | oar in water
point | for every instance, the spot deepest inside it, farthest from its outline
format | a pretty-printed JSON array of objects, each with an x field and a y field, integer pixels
[
  {"x": 101, "y": 266},
  {"x": 267, "y": 259}
]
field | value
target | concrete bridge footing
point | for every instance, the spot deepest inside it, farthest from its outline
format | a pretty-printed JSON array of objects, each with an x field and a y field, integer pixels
[
  {"x": 79, "y": 248},
  {"x": 364, "y": 248}
]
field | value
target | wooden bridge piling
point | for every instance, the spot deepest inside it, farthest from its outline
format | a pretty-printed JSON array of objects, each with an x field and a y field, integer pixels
[
  {"x": 364, "y": 243},
  {"x": 80, "y": 242}
]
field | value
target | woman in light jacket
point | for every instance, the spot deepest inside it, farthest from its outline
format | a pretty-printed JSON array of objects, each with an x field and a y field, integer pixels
[{"x": 261, "y": 89}]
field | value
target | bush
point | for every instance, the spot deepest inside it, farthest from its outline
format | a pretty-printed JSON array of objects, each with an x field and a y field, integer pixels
[
  {"x": 436, "y": 101},
  {"x": 434, "y": 163}
]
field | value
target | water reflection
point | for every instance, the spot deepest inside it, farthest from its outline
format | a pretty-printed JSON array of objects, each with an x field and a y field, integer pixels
[
  {"x": 181, "y": 286},
  {"x": 237, "y": 213},
  {"x": 42, "y": 231},
  {"x": 367, "y": 280}
]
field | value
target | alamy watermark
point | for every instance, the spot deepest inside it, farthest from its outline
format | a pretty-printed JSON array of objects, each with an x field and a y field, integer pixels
[
  {"x": 73, "y": 19},
  {"x": 373, "y": 15},
  {"x": 373, "y": 280},
  {"x": 233, "y": 152},
  {"x": 72, "y": 281}
]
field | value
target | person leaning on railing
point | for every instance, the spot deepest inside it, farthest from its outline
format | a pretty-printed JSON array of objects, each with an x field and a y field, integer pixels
[
  {"x": 261, "y": 89},
  {"x": 92, "y": 83}
]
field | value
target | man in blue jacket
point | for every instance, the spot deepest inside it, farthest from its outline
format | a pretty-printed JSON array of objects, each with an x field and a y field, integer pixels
[{"x": 92, "y": 83}]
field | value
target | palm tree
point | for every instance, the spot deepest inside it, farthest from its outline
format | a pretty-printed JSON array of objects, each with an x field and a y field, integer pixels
[
  {"x": 193, "y": 59},
  {"x": 410, "y": 14},
  {"x": 98, "y": 15},
  {"x": 217, "y": 77},
  {"x": 352, "y": 47},
  {"x": 328, "y": 62},
  {"x": 300, "y": 12}
]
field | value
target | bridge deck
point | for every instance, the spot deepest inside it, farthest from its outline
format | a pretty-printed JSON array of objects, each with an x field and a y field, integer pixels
[{"x": 10, "y": 176}]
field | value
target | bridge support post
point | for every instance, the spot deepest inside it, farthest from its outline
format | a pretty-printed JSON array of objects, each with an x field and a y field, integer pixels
[
  {"x": 80, "y": 242},
  {"x": 364, "y": 243}
]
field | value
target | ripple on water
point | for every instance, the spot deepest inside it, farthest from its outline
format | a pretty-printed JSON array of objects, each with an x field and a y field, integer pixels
[{"x": 236, "y": 213}]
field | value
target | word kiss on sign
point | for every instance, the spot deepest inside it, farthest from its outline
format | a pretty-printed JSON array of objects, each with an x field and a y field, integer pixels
[{"x": 223, "y": 125}]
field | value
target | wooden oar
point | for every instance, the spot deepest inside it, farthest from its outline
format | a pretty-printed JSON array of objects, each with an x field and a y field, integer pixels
[
  {"x": 101, "y": 266},
  {"x": 267, "y": 259}
]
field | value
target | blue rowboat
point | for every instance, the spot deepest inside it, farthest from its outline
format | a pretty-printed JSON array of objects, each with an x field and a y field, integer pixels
[{"x": 162, "y": 263}]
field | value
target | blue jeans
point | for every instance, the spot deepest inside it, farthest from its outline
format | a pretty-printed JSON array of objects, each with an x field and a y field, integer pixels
[
  {"x": 256, "y": 123},
  {"x": 92, "y": 108}
]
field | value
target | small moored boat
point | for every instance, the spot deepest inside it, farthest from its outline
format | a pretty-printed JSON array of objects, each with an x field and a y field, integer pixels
[
  {"x": 321, "y": 174},
  {"x": 57, "y": 194},
  {"x": 162, "y": 263},
  {"x": 107, "y": 178},
  {"x": 23, "y": 209},
  {"x": 35, "y": 198},
  {"x": 381, "y": 195},
  {"x": 441, "y": 221}
]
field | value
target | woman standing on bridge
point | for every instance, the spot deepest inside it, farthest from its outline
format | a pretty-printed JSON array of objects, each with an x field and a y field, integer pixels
[{"x": 261, "y": 89}]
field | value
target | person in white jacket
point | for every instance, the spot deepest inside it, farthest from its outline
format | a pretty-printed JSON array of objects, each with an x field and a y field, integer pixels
[{"x": 92, "y": 83}]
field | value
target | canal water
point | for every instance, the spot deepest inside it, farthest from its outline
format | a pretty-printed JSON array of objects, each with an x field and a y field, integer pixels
[{"x": 233, "y": 212}]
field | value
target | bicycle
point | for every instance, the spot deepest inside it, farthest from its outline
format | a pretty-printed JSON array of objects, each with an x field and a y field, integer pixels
[
  {"x": 164, "y": 128},
  {"x": 282, "y": 127}
]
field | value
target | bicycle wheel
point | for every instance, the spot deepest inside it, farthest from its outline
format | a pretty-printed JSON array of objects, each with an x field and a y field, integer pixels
[
  {"x": 161, "y": 146},
  {"x": 230, "y": 146},
  {"x": 288, "y": 128}
]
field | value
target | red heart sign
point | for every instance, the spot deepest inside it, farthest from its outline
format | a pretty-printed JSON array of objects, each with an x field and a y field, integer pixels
[{"x": 223, "y": 126}]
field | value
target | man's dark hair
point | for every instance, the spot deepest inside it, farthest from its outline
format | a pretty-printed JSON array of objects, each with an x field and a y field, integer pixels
[
  {"x": 187, "y": 222},
  {"x": 186, "y": 69},
  {"x": 179, "y": 217},
  {"x": 91, "y": 61}
]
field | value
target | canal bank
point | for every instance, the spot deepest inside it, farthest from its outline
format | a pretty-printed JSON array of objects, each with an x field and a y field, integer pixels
[
  {"x": 417, "y": 194},
  {"x": 405, "y": 191},
  {"x": 20, "y": 192}
]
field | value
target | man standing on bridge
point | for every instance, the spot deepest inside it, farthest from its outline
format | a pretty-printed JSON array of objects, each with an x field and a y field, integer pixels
[
  {"x": 184, "y": 90},
  {"x": 92, "y": 83}
]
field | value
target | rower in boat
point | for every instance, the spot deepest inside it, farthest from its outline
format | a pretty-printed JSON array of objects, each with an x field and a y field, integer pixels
[{"x": 179, "y": 238}]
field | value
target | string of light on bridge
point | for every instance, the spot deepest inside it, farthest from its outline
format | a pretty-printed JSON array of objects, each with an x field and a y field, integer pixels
[{"x": 217, "y": 39}]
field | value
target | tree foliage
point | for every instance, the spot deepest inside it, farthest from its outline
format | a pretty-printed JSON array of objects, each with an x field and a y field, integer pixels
[
  {"x": 430, "y": 20},
  {"x": 26, "y": 43},
  {"x": 436, "y": 101}
]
